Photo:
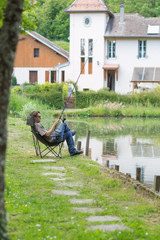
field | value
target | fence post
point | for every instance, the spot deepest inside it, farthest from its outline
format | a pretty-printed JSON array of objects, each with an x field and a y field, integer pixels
[
  {"x": 138, "y": 174},
  {"x": 117, "y": 168},
  {"x": 79, "y": 145},
  {"x": 87, "y": 143},
  {"x": 157, "y": 183},
  {"x": 107, "y": 163}
]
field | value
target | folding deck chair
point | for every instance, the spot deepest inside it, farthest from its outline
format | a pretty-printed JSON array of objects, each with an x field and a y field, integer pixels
[{"x": 37, "y": 139}]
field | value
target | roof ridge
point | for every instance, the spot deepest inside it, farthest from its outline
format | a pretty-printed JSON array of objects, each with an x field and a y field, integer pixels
[
  {"x": 50, "y": 41},
  {"x": 49, "y": 44},
  {"x": 87, "y": 5}
]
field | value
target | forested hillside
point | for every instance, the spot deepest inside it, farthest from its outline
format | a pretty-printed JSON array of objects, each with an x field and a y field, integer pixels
[{"x": 53, "y": 23}]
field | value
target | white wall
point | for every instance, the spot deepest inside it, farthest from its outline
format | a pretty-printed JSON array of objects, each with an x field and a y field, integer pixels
[
  {"x": 94, "y": 31},
  {"x": 126, "y": 57},
  {"x": 22, "y": 74}
]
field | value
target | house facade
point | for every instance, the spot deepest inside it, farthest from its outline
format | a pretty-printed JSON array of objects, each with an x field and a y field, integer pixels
[
  {"x": 115, "y": 51},
  {"x": 35, "y": 59}
]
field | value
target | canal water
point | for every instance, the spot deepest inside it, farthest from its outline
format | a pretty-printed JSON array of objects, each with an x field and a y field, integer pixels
[{"x": 128, "y": 142}]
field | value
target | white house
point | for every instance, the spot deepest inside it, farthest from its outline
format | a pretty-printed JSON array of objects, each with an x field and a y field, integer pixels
[
  {"x": 35, "y": 59},
  {"x": 118, "y": 51}
]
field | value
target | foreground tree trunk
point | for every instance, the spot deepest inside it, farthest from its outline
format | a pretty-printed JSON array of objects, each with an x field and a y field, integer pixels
[{"x": 8, "y": 41}]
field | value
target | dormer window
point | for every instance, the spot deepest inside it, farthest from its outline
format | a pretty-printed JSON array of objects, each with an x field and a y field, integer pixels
[{"x": 153, "y": 29}]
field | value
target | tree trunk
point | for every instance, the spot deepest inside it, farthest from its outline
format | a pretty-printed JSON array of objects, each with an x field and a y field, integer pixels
[{"x": 8, "y": 41}]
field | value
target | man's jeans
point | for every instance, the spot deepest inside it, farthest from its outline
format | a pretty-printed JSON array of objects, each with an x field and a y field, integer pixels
[{"x": 63, "y": 133}]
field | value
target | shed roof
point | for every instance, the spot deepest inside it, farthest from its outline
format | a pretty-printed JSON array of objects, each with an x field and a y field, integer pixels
[
  {"x": 49, "y": 44},
  {"x": 88, "y": 6},
  {"x": 134, "y": 26}
]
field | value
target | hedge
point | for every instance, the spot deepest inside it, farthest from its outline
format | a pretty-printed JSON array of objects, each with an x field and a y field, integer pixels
[{"x": 89, "y": 98}]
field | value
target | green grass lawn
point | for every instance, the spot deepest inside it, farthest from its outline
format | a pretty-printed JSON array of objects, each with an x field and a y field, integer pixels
[
  {"x": 35, "y": 213},
  {"x": 63, "y": 44}
]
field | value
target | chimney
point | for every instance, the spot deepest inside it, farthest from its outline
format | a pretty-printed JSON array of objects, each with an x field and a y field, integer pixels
[{"x": 122, "y": 13}]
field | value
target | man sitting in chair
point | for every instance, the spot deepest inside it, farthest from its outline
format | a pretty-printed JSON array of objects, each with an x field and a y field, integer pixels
[{"x": 56, "y": 134}]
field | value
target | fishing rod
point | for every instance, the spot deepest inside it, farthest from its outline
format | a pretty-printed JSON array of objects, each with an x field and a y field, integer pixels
[{"x": 74, "y": 86}]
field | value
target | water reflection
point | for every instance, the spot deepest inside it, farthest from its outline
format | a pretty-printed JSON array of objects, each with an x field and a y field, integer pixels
[{"x": 128, "y": 143}]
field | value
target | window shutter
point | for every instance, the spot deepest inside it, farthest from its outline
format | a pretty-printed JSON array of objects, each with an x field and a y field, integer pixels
[{"x": 138, "y": 48}]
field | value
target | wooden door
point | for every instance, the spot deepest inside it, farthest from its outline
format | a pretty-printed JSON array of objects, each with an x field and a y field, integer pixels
[{"x": 33, "y": 77}]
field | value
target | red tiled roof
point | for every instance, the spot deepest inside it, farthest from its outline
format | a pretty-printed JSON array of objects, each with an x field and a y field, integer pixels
[{"x": 87, "y": 6}]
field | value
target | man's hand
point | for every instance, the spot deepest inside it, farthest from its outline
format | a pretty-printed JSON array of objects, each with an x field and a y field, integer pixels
[
  {"x": 48, "y": 133},
  {"x": 56, "y": 122}
]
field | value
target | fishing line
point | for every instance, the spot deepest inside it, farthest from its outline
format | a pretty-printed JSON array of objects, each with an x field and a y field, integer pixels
[{"x": 74, "y": 86}]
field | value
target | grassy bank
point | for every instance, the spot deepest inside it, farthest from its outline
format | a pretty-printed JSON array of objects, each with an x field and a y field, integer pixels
[
  {"x": 113, "y": 110},
  {"x": 35, "y": 213},
  {"x": 22, "y": 106}
]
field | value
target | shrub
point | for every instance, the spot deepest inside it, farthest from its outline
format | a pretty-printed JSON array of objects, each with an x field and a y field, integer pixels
[
  {"x": 65, "y": 90},
  {"x": 21, "y": 106},
  {"x": 53, "y": 98},
  {"x": 32, "y": 88},
  {"x": 16, "y": 103},
  {"x": 16, "y": 90},
  {"x": 27, "y": 109},
  {"x": 48, "y": 93},
  {"x": 14, "y": 80},
  {"x": 90, "y": 98}
]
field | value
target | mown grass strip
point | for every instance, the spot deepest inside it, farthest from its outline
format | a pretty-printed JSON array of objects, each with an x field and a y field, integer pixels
[{"x": 35, "y": 213}]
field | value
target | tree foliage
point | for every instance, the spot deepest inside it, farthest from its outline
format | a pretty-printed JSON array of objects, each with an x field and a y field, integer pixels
[
  {"x": 28, "y": 17},
  {"x": 146, "y": 8},
  {"x": 53, "y": 22}
]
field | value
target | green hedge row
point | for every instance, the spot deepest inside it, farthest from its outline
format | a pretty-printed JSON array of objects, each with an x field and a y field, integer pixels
[
  {"x": 89, "y": 98},
  {"x": 48, "y": 93},
  {"x": 51, "y": 98}
]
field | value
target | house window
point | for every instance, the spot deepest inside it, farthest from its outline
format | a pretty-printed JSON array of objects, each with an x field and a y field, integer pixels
[
  {"x": 90, "y": 47},
  {"x": 82, "y": 47},
  {"x": 82, "y": 65},
  {"x": 142, "y": 44},
  {"x": 53, "y": 76},
  {"x": 36, "y": 52},
  {"x": 90, "y": 65},
  {"x": 63, "y": 76},
  {"x": 111, "y": 46}
]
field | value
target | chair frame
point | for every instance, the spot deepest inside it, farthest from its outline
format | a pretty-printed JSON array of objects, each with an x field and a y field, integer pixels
[{"x": 50, "y": 147}]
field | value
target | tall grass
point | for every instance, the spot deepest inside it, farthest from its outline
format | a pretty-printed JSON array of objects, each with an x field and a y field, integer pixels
[
  {"x": 21, "y": 106},
  {"x": 110, "y": 109}
]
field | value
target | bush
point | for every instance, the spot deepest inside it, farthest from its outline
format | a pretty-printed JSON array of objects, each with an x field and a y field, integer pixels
[
  {"x": 27, "y": 109},
  {"x": 53, "y": 99},
  {"x": 32, "y": 88},
  {"x": 48, "y": 93},
  {"x": 16, "y": 90},
  {"x": 90, "y": 98},
  {"x": 21, "y": 106},
  {"x": 65, "y": 90},
  {"x": 16, "y": 103},
  {"x": 14, "y": 80}
]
